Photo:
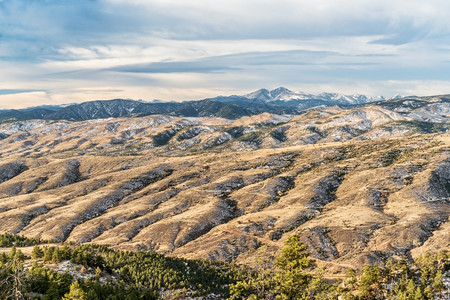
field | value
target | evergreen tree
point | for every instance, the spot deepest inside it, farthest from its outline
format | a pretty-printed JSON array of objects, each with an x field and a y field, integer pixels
[
  {"x": 350, "y": 278},
  {"x": 76, "y": 292},
  {"x": 370, "y": 281},
  {"x": 438, "y": 283},
  {"x": 418, "y": 295},
  {"x": 53, "y": 293},
  {"x": 291, "y": 278},
  {"x": 13, "y": 251},
  {"x": 428, "y": 291},
  {"x": 19, "y": 256},
  {"x": 48, "y": 254},
  {"x": 98, "y": 272},
  {"x": 37, "y": 252},
  {"x": 411, "y": 289},
  {"x": 56, "y": 257},
  {"x": 12, "y": 276}
]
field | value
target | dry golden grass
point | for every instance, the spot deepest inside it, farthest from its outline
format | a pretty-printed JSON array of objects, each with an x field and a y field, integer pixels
[{"x": 352, "y": 202}]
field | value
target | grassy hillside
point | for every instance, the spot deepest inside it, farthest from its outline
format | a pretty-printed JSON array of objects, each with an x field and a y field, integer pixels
[{"x": 358, "y": 185}]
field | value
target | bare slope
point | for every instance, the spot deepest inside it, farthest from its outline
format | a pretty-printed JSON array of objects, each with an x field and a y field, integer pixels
[{"x": 357, "y": 185}]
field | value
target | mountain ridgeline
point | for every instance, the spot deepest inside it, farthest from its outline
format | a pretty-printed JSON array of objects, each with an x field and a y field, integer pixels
[{"x": 278, "y": 101}]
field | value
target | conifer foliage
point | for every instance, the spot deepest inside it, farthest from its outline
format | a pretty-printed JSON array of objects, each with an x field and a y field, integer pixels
[{"x": 103, "y": 273}]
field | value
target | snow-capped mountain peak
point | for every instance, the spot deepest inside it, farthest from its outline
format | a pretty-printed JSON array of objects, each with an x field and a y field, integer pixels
[
  {"x": 280, "y": 93},
  {"x": 261, "y": 94},
  {"x": 284, "y": 94}
]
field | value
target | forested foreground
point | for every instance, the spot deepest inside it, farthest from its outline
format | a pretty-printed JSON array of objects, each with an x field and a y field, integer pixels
[{"x": 98, "y": 272}]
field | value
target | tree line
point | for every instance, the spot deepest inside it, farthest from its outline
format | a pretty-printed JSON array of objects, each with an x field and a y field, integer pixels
[{"x": 99, "y": 272}]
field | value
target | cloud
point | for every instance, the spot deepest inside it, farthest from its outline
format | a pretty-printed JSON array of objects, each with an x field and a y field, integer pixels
[
  {"x": 88, "y": 49},
  {"x": 173, "y": 67},
  {"x": 233, "y": 19},
  {"x": 222, "y": 63},
  {"x": 87, "y": 22},
  {"x": 12, "y": 92}
]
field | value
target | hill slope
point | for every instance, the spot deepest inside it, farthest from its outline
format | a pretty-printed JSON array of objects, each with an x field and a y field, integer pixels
[{"x": 357, "y": 184}]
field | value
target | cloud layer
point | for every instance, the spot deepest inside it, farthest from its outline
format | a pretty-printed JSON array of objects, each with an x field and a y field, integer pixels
[{"x": 58, "y": 51}]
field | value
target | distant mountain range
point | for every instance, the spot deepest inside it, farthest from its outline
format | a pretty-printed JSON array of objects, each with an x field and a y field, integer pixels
[
  {"x": 287, "y": 97},
  {"x": 278, "y": 101}
]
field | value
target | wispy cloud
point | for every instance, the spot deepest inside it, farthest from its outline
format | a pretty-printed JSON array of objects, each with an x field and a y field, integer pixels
[
  {"x": 229, "y": 62},
  {"x": 12, "y": 92}
]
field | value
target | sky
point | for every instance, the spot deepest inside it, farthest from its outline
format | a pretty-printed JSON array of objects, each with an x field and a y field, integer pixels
[{"x": 63, "y": 51}]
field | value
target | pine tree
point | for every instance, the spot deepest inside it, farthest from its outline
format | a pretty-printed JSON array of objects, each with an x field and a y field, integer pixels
[
  {"x": 12, "y": 276},
  {"x": 48, "y": 253},
  {"x": 369, "y": 281},
  {"x": 76, "y": 292},
  {"x": 13, "y": 251},
  {"x": 438, "y": 283},
  {"x": 19, "y": 274},
  {"x": 291, "y": 278},
  {"x": 350, "y": 278},
  {"x": 19, "y": 256},
  {"x": 56, "y": 257},
  {"x": 53, "y": 292},
  {"x": 402, "y": 296},
  {"x": 428, "y": 291},
  {"x": 418, "y": 295},
  {"x": 37, "y": 252},
  {"x": 98, "y": 271},
  {"x": 411, "y": 288}
]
